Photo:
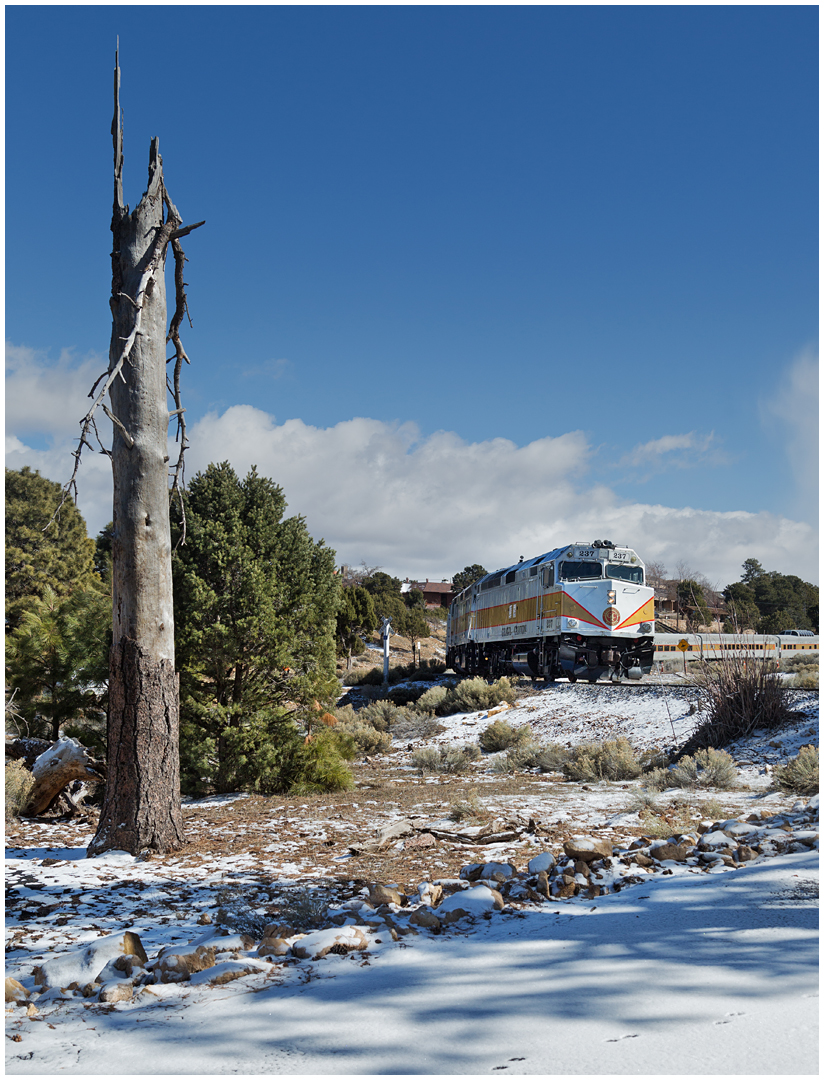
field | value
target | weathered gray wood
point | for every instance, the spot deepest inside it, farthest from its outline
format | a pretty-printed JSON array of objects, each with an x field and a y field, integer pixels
[{"x": 142, "y": 802}]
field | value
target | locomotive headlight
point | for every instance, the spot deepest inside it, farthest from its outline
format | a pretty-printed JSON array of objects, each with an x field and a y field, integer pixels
[
  {"x": 645, "y": 627},
  {"x": 611, "y": 596},
  {"x": 572, "y": 624}
]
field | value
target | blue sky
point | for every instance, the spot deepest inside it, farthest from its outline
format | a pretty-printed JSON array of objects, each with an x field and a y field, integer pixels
[{"x": 579, "y": 242}]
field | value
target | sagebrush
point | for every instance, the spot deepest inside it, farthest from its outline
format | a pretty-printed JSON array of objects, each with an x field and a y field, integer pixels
[
  {"x": 708, "y": 768},
  {"x": 499, "y": 735},
  {"x": 19, "y": 785},
  {"x": 800, "y": 775},
  {"x": 614, "y": 759}
]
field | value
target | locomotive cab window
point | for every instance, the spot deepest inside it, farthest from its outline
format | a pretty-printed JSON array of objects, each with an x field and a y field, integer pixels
[
  {"x": 580, "y": 571},
  {"x": 548, "y": 576},
  {"x": 623, "y": 572}
]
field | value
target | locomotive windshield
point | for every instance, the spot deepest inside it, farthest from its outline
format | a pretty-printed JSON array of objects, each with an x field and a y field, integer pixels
[
  {"x": 580, "y": 571},
  {"x": 635, "y": 574}
]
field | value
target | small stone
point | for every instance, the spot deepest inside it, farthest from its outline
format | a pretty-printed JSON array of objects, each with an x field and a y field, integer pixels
[{"x": 205, "y": 919}]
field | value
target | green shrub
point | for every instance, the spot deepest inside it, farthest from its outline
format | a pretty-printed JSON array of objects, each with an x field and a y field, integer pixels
[
  {"x": 380, "y": 714},
  {"x": 657, "y": 779},
  {"x": 444, "y": 759},
  {"x": 472, "y": 695},
  {"x": 800, "y": 775},
  {"x": 799, "y": 662},
  {"x": 499, "y": 735},
  {"x": 708, "y": 768},
  {"x": 415, "y": 725},
  {"x": 19, "y": 784},
  {"x": 430, "y": 699},
  {"x": 425, "y": 672},
  {"x": 805, "y": 678},
  {"x": 470, "y": 808},
  {"x": 320, "y": 764},
  {"x": 403, "y": 695},
  {"x": 529, "y": 755},
  {"x": 367, "y": 738},
  {"x": 611, "y": 760}
]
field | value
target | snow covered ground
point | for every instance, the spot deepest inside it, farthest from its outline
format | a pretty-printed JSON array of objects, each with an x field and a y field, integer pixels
[{"x": 695, "y": 966}]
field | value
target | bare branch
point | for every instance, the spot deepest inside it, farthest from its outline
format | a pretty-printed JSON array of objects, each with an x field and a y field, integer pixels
[{"x": 126, "y": 436}]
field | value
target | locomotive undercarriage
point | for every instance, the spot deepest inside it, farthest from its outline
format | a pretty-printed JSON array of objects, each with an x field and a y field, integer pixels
[{"x": 570, "y": 656}]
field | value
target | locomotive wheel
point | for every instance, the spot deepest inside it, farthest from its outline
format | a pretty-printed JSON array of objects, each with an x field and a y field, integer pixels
[
  {"x": 572, "y": 678},
  {"x": 592, "y": 681}
]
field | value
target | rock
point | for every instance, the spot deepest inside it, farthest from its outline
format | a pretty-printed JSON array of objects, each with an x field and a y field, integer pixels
[
  {"x": 32, "y": 1010},
  {"x": 274, "y": 947},
  {"x": 581, "y": 867},
  {"x": 15, "y": 991},
  {"x": 474, "y": 901},
  {"x": 471, "y": 872},
  {"x": 394, "y": 831},
  {"x": 543, "y": 862},
  {"x": 382, "y": 894},
  {"x": 745, "y": 854},
  {"x": 640, "y": 859},
  {"x": 336, "y": 941},
  {"x": 205, "y": 919},
  {"x": 180, "y": 966},
  {"x": 427, "y": 918},
  {"x": 85, "y": 964},
  {"x": 543, "y": 885},
  {"x": 430, "y": 893},
  {"x": 116, "y": 991},
  {"x": 665, "y": 851},
  {"x": 494, "y": 869},
  {"x": 422, "y": 840},
  {"x": 588, "y": 848}
]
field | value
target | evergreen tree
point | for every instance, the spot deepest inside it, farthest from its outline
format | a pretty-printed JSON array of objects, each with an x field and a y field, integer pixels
[
  {"x": 58, "y": 659},
  {"x": 412, "y": 625},
  {"x": 468, "y": 576},
  {"x": 386, "y": 596},
  {"x": 255, "y": 606},
  {"x": 356, "y": 616},
  {"x": 59, "y": 558},
  {"x": 752, "y": 569}
]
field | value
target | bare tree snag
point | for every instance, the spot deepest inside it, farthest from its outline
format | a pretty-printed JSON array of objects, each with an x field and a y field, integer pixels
[{"x": 141, "y": 808}]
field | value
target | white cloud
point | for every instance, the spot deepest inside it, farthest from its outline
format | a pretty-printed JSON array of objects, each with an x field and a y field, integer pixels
[
  {"x": 416, "y": 505},
  {"x": 672, "y": 452},
  {"x": 48, "y": 397},
  {"x": 428, "y": 506},
  {"x": 793, "y": 407}
]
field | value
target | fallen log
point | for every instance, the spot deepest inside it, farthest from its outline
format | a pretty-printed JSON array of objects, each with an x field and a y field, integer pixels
[{"x": 60, "y": 765}]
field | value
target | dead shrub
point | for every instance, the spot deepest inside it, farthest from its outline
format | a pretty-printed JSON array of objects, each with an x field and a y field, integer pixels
[
  {"x": 736, "y": 695},
  {"x": 470, "y": 808},
  {"x": 800, "y": 775}
]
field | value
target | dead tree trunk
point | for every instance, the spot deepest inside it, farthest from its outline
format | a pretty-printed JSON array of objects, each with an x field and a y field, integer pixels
[{"x": 141, "y": 808}]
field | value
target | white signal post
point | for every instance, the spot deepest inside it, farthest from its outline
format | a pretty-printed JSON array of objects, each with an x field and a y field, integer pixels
[{"x": 386, "y": 630}]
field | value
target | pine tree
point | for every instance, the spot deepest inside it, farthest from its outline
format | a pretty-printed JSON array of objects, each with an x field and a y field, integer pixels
[
  {"x": 57, "y": 559},
  {"x": 58, "y": 659},
  {"x": 356, "y": 616},
  {"x": 255, "y": 606}
]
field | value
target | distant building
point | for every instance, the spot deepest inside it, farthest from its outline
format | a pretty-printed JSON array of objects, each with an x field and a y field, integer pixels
[{"x": 435, "y": 593}]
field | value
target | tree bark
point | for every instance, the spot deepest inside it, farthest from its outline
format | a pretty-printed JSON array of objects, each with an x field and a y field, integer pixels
[{"x": 141, "y": 807}]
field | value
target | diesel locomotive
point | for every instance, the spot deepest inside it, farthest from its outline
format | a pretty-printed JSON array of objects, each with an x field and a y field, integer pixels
[{"x": 580, "y": 611}]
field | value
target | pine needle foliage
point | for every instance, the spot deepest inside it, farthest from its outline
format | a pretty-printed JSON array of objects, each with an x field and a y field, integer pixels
[{"x": 255, "y": 606}]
